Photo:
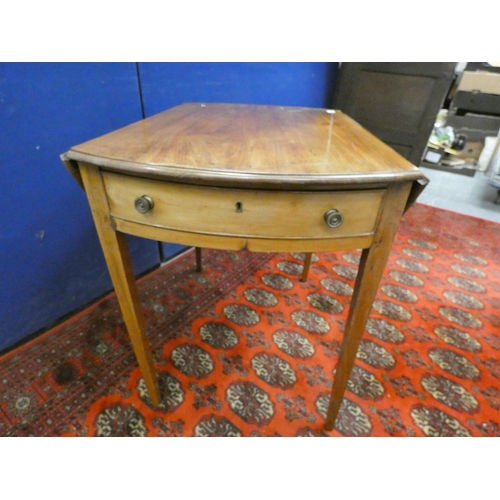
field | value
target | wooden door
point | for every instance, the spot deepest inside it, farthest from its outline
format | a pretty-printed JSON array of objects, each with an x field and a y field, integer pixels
[{"x": 397, "y": 102}]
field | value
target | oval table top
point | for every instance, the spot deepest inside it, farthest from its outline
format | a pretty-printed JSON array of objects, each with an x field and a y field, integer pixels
[{"x": 242, "y": 145}]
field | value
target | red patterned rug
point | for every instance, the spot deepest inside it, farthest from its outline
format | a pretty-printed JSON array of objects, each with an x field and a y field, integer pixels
[{"x": 244, "y": 348}]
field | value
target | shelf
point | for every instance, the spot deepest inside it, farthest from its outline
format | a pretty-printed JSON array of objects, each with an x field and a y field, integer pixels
[{"x": 469, "y": 172}]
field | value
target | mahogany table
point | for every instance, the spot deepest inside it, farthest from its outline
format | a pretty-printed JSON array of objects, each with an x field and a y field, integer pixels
[{"x": 247, "y": 177}]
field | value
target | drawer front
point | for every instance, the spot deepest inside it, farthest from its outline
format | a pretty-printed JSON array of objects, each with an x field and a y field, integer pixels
[{"x": 240, "y": 212}]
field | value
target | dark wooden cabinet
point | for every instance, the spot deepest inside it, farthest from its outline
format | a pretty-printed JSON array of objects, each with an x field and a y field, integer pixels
[{"x": 397, "y": 102}]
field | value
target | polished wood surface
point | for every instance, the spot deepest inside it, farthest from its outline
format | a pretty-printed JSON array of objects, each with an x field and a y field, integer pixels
[
  {"x": 236, "y": 243},
  {"x": 243, "y": 212},
  {"x": 371, "y": 267},
  {"x": 248, "y": 145},
  {"x": 120, "y": 268},
  {"x": 241, "y": 177}
]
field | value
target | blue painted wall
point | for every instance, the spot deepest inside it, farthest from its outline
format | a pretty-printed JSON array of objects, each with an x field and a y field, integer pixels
[
  {"x": 50, "y": 259},
  {"x": 165, "y": 85}
]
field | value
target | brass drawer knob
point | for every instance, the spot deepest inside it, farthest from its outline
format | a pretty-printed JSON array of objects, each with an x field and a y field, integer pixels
[
  {"x": 144, "y": 204},
  {"x": 334, "y": 218}
]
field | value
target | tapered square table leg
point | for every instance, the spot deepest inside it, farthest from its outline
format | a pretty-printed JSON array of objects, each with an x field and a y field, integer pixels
[
  {"x": 117, "y": 257},
  {"x": 307, "y": 265},
  {"x": 370, "y": 272},
  {"x": 199, "y": 266}
]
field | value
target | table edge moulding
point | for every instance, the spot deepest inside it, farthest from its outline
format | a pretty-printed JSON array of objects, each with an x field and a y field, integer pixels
[{"x": 247, "y": 177}]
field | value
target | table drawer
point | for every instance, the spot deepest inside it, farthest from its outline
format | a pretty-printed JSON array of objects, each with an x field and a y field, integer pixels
[{"x": 241, "y": 212}]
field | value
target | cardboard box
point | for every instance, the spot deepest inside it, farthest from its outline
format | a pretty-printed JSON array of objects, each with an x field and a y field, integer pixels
[
  {"x": 472, "y": 151},
  {"x": 480, "y": 81}
]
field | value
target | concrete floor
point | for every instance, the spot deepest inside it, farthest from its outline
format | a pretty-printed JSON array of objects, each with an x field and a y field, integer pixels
[{"x": 459, "y": 193}]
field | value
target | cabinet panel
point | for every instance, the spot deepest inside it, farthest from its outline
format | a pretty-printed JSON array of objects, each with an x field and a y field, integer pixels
[{"x": 397, "y": 102}]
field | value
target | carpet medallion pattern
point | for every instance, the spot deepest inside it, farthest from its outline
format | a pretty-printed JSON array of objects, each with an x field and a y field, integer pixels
[{"x": 244, "y": 348}]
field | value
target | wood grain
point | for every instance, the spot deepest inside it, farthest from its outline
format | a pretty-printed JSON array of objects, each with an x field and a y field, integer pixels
[
  {"x": 117, "y": 257},
  {"x": 235, "y": 243},
  {"x": 262, "y": 214},
  {"x": 370, "y": 271},
  {"x": 241, "y": 177},
  {"x": 249, "y": 145}
]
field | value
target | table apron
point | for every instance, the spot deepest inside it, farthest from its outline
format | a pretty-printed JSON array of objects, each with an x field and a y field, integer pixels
[
  {"x": 236, "y": 243},
  {"x": 244, "y": 213}
]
